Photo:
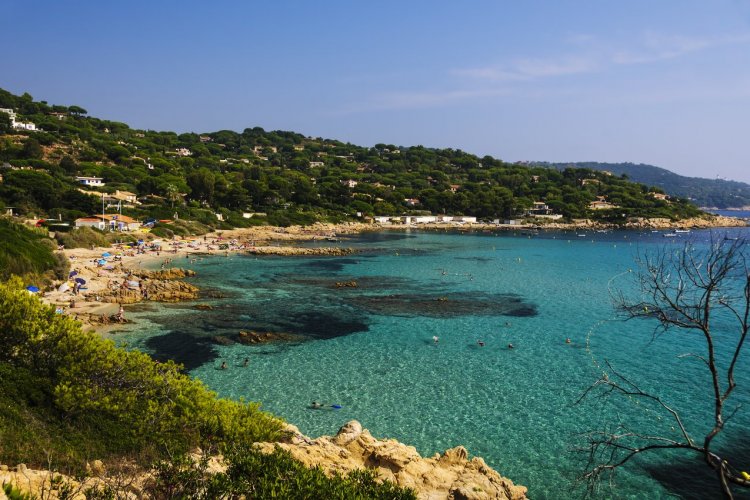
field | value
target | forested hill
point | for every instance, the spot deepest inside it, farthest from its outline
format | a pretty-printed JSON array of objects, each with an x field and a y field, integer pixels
[
  {"x": 281, "y": 177},
  {"x": 717, "y": 193}
]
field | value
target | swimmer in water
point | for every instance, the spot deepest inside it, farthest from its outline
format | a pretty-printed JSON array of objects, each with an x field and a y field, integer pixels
[
  {"x": 481, "y": 343},
  {"x": 223, "y": 365},
  {"x": 315, "y": 405},
  {"x": 510, "y": 346},
  {"x": 435, "y": 339}
]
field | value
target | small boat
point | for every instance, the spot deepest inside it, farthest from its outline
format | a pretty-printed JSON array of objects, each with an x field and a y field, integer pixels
[
  {"x": 682, "y": 230},
  {"x": 669, "y": 235}
]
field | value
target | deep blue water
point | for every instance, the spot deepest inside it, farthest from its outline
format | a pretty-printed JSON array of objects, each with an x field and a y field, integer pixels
[{"x": 370, "y": 349}]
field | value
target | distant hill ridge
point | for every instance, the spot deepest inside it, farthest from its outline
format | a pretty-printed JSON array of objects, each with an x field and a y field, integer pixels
[
  {"x": 224, "y": 179},
  {"x": 712, "y": 193}
]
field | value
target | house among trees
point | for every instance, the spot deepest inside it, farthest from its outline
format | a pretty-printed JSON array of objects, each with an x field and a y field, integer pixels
[
  {"x": 539, "y": 208},
  {"x": 601, "y": 203},
  {"x": 31, "y": 127},
  {"x": 90, "y": 181}
]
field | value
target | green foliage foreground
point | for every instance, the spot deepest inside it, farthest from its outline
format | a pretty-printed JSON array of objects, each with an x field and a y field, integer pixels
[
  {"x": 73, "y": 394},
  {"x": 68, "y": 397}
]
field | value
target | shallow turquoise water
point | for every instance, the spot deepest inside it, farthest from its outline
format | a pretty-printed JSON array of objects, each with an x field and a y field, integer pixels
[{"x": 372, "y": 352}]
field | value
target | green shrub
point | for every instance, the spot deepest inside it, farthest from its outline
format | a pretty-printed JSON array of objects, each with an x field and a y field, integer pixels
[
  {"x": 82, "y": 237},
  {"x": 254, "y": 474},
  {"x": 24, "y": 250},
  {"x": 121, "y": 399}
]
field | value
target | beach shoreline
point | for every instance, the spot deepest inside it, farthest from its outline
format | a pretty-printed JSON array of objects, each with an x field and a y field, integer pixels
[{"x": 123, "y": 261}]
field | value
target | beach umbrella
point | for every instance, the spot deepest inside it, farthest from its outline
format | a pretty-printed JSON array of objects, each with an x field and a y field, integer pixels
[
  {"x": 106, "y": 254},
  {"x": 32, "y": 288},
  {"x": 72, "y": 273},
  {"x": 101, "y": 262},
  {"x": 81, "y": 281}
]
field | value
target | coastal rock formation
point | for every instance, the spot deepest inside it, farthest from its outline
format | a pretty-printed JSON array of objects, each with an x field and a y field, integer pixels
[
  {"x": 164, "y": 274},
  {"x": 155, "y": 290},
  {"x": 451, "y": 475}
]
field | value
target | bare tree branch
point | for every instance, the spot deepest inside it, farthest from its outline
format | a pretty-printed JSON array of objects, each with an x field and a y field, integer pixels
[{"x": 684, "y": 291}]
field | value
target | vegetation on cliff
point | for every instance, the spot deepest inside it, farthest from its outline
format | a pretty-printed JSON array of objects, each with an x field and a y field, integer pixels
[
  {"x": 281, "y": 177},
  {"x": 26, "y": 251},
  {"x": 719, "y": 193}
]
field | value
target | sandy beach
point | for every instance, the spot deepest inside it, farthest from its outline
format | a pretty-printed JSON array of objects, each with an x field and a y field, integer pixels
[{"x": 118, "y": 270}]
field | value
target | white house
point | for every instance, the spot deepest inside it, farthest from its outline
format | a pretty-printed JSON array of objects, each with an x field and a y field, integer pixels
[
  {"x": 350, "y": 183},
  {"x": 314, "y": 164},
  {"x": 90, "y": 181},
  {"x": 382, "y": 219},
  {"x": 31, "y": 127},
  {"x": 183, "y": 152},
  {"x": 94, "y": 222}
]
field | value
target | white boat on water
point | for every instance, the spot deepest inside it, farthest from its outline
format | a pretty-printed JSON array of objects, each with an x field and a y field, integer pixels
[
  {"x": 669, "y": 235},
  {"x": 682, "y": 230}
]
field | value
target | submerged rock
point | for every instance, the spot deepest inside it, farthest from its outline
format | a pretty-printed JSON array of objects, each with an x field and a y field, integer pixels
[
  {"x": 222, "y": 340},
  {"x": 451, "y": 475},
  {"x": 346, "y": 284},
  {"x": 252, "y": 337}
]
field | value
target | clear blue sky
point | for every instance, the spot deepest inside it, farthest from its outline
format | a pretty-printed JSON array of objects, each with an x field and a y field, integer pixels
[{"x": 664, "y": 82}]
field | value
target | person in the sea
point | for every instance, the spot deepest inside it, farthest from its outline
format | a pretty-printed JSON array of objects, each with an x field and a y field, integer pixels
[
  {"x": 246, "y": 362},
  {"x": 481, "y": 343},
  {"x": 510, "y": 346},
  {"x": 435, "y": 339},
  {"x": 315, "y": 405},
  {"x": 223, "y": 365}
]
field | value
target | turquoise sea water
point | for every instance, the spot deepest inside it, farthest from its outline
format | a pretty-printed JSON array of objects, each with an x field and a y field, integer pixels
[{"x": 370, "y": 349}]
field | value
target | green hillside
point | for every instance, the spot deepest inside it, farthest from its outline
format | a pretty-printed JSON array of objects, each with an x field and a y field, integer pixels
[
  {"x": 286, "y": 176},
  {"x": 24, "y": 251},
  {"x": 717, "y": 193}
]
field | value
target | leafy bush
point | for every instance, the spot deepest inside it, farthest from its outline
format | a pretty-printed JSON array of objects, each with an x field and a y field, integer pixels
[
  {"x": 82, "y": 237},
  {"x": 121, "y": 399},
  {"x": 24, "y": 250},
  {"x": 254, "y": 474}
]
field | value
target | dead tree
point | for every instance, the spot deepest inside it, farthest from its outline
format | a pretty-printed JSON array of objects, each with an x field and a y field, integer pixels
[{"x": 683, "y": 290}]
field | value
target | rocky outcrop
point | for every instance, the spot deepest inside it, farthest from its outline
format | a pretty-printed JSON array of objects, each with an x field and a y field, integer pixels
[
  {"x": 164, "y": 274},
  {"x": 450, "y": 475},
  {"x": 154, "y": 290}
]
